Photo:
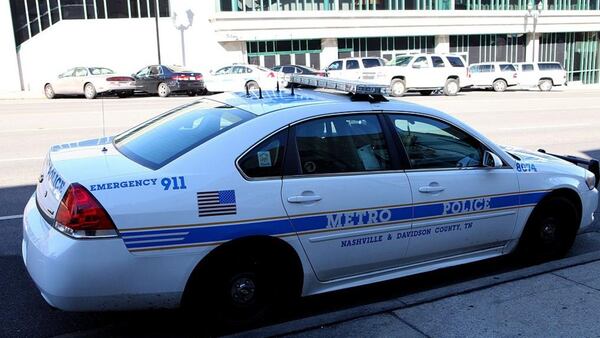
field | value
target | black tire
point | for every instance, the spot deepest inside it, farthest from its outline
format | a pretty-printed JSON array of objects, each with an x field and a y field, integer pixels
[
  {"x": 499, "y": 85},
  {"x": 163, "y": 90},
  {"x": 191, "y": 93},
  {"x": 452, "y": 87},
  {"x": 239, "y": 291},
  {"x": 49, "y": 91},
  {"x": 545, "y": 85},
  {"x": 125, "y": 94},
  {"x": 252, "y": 85},
  {"x": 89, "y": 91},
  {"x": 550, "y": 231},
  {"x": 397, "y": 87},
  {"x": 425, "y": 92}
]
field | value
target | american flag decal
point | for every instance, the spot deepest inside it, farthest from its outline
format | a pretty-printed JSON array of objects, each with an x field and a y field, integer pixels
[{"x": 216, "y": 203}]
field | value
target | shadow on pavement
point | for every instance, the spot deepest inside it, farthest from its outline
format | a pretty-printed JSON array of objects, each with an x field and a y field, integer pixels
[{"x": 13, "y": 199}]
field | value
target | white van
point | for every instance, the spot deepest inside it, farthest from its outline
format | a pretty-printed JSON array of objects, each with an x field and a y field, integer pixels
[
  {"x": 543, "y": 75},
  {"x": 495, "y": 75}
]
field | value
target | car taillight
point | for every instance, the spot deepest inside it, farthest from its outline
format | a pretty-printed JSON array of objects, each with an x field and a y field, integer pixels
[
  {"x": 271, "y": 75},
  {"x": 120, "y": 79},
  {"x": 180, "y": 77},
  {"x": 80, "y": 215}
]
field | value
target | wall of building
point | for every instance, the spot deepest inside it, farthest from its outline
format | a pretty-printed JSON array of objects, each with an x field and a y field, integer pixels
[{"x": 8, "y": 54}]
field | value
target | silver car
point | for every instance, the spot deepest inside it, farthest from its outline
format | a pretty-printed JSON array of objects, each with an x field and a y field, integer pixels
[{"x": 90, "y": 81}]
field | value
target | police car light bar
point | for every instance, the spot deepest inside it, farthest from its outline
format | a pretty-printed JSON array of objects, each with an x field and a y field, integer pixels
[{"x": 348, "y": 86}]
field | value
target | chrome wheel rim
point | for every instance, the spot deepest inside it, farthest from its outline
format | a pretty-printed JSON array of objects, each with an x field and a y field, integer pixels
[
  {"x": 545, "y": 85},
  {"x": 398, "y": 88},
  {"x": 499, "y": 86},
  {"x": 452, "y": 88},
  {"x": 162, "y": 90},
  {"x": 89, "y": 91},
  {"x": 49, "y": 91}
]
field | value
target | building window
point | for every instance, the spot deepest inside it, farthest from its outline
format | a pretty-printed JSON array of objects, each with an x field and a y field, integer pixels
[
  {"x": 489, "y": 47},
  {"x": 117, "y": 9},
  {"x": 272, "y": 53},
  {"x": 385, "y": 47},
  {"x": 72, "y": 9},
  {"x": 330, "y": 5}
]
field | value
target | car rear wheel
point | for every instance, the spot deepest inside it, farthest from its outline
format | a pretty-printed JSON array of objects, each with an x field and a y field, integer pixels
[
  {"x": 398, "y": 87},
  {"x": 252, "y": 85},
  {"x": 426, "y": 92},
  {"x": 545, "y": 85},
  {"x": 163, "y": 90},
  {"x": 550, "y": 231},
  {"x": 499, "y": 85},
  {"x": 49, "y": 91},
  {"x": 451, "y": 88},
  {"x": 191, "y": 93},
  {"x": 89, "y": 91}
]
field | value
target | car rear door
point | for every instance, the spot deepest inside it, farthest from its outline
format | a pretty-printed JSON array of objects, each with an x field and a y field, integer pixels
[
  {"x": 527, "y": 75},
  {"x": 344, "y": 198},
  {"x": 460, "y": 205}
]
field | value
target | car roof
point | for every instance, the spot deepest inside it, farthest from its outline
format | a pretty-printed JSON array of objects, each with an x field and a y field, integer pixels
[{"x": 273, "y": 101}]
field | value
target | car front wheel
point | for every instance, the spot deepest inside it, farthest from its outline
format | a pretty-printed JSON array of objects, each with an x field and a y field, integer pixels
[
  {"x": 398, "y": 87},
  {"x": 550, "y": 231},
  {"x": 49, "y": 91},
  {"x": 545, "y": 85},
  {"x": 89, "y": 91}
]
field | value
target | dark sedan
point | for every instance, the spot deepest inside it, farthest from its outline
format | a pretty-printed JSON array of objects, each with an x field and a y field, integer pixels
[
  {"x": 284, "y": 71},
  {"x": 165, "y": 80}
]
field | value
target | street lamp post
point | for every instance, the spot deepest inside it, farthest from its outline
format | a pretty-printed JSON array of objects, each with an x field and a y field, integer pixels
[
  {"x": 182, "y": 23},
  {"x": 534, "y": 14}
]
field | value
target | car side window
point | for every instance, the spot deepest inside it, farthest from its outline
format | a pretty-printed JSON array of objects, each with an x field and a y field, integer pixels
[
  {"x": 340, "y": 144},
  {"x": 437, "y": 62},
  {"x": 154, "y": 70},
  {"x": 507, "y": 68},
  {"x": 370, "y": 63},
  {"x": 143, "y": 72},
  {"x": 239, "y": 70},
  {"x": 527, "y": 68},
  {"x": 68, "y": 73},
  {"x": 433, "y": 144},
  {"x": 266, "y": 159},
  {"x": 222, "y": 71},
  {"x": 288, "y": 70},
  {"x": 81, "y": 72},
  {"x": 352, "y": 64},
  {"x": 421, "y": 62},
  {"x": 486, "y": 68},
  {"x": 336, "y": 65},
  {"x": 455, "y": 61}
]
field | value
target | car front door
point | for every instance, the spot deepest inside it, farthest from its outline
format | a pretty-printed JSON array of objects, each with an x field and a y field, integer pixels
[
  {"x": 460, "y": 206},
  {"x": 142, "y": 79},
  {"x": 348, "y": 205},
  {"x": 335, "y": 69},
  {"x": 78, "y": 80},
  {"x": 420, "y": 74},
  {"x": 61, "y": 85}
]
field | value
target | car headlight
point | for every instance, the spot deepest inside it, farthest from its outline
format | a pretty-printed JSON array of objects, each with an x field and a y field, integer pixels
[{"x": 590, "y": 179}]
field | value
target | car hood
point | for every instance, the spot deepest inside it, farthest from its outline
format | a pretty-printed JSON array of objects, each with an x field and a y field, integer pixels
[{"x": 546, "y": 161}]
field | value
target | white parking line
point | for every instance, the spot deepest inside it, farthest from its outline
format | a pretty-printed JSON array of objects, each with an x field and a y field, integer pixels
[
  {"x": 6, "y": 218},
  {"x": 21, "y": 159}
]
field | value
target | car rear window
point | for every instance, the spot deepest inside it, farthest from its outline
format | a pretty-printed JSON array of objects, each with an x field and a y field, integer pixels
[
  {"x": 100, "y": 71},
  {"x": 507, "y": 68},
  {"x": 162, "y": 139},
  {"x": 550, "y": 66},
  {"x": 178, "y": 69},
  {"x": 455, "y": 61}
]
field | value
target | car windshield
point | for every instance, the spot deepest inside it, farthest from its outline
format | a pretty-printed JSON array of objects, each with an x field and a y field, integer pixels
[
  {"x": 402, "y": 61},
  {"x": 164, "y": 138},
  {"x": 100, "y": 71}
]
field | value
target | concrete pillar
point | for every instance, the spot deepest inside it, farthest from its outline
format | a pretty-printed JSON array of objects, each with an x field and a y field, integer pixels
[
  {"x": 442, "y": 44},
  {"x": 329, "y": 51},
  {"x": 533, "y": 47},
  {"x": 11, "y": 80}
]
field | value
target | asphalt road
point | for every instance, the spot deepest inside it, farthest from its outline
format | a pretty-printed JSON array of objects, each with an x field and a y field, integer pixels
[{"x": 558, "y": 121}]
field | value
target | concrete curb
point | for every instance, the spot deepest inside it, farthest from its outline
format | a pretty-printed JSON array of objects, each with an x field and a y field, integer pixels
[{"x": 325, "y": 319}]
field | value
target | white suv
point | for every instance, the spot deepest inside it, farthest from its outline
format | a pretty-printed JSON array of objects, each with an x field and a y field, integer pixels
[
  {"x": 495, "y": 75},
  {"x": 543, "y": 75},
  {"x": 352, "y": 68},
  {"x": 423, "y": 73}
]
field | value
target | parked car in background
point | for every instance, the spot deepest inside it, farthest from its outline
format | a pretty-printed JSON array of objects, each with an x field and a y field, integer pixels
[
  {"x": 543, "y": 75},
  {"x": 422, "y": 73},
  {"x": 495, "y": 75},
  {"x": 352, "y": 68},
  {"x": 284, "y": 71},
  {"x": 165, "y": 80},
  {"x": 236, "y": 77},
  {"x": 90, "y": 81}
]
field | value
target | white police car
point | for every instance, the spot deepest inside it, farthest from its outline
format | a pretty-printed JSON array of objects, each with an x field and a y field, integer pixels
[{"x": 239, "y": 199}]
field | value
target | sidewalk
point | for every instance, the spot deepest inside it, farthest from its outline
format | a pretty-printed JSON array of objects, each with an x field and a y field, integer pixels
[
  {"x": 560, "y": 303},
  {"x": 21, "y": 95}
]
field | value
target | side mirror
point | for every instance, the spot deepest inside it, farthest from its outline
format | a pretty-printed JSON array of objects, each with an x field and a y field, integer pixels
[{"x": 491, "y": 160}]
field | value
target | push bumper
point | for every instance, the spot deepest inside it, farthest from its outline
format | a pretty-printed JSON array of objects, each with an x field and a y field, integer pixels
[{"x": 99, "y": 274}]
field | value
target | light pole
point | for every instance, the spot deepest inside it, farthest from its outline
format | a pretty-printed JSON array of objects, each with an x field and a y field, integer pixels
[
  {"x": 534, "y": 14},
  {"x": 182, "y": 23},
  {"x": 157, "y": 33}
]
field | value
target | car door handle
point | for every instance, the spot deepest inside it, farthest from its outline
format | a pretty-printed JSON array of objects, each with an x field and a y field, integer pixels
[
  {"x": 304, "y": 199},
  {"x": 431, "y": 189}
]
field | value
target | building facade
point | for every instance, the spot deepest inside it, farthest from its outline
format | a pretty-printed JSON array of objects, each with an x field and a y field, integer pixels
[{"x": 53, "y": 35}]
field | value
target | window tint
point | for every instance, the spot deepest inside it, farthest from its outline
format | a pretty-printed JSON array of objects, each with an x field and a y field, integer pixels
[
  {"x": 166, "y": 137},
  {"x": 68, "y": 73},
  {"x": 486, "y": 68},
  {"x": 224, "y": 70},
  {"x": 549, "y": 66},
  {"x": 288, "y": 70},
  {"x": 349, "y": 143},
  {"x": 337, "y": 65},
  {"x": 239, "y": 70},
  {"x": 368, "y": 63},
  {"x": 527, "y": 68},
  {"x": 437, "y": 61},
  {"x": 431, "y": 143},
  {"x": 266, "y": 159},
  {"x": 507, "y": 68},
  {"x": 352, "y": 64},
  {"x": 455, "y": 61}
]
